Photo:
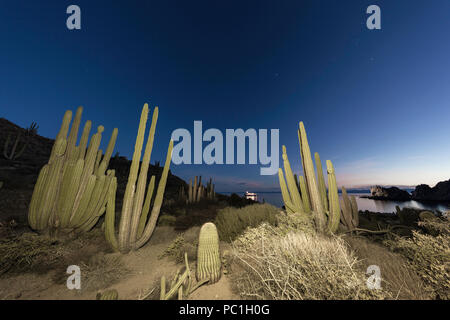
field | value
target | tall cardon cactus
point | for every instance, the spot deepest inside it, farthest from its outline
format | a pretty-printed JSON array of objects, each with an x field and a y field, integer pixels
[
  {"x": 308, "y": 194},
  {"x": 135, "y": 227},
  {"x": 71, "y": 190}
]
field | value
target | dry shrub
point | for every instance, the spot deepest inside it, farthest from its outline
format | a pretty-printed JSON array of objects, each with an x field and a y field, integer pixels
[
  {"x": 166, "y": 220},
  {"x": 430, "y": 258},
  {"x": 296, "y": 266},
  {"x": 102, "y": 271},
  {"x": 435, "y": 226},
  {"x": 232, "y": 222},
  {"x": 397, "y": 276},
  {"x": 28, "y": 252},
  {"x": 185, "y": 242}
]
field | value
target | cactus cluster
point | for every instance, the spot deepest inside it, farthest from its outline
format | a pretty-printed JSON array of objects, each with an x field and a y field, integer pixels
[
  {"x": 71, "y": 191},
  {"x": 197, "y": 192},
  {"x": 136, "y": 226},
  {"x": 182, "y": 284},
  {"x": 308, "y": 194},
  {"x": 208, "y": 256}
]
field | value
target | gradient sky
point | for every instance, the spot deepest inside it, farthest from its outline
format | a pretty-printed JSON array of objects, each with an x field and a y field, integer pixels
[{"x": 376, "y": 103}]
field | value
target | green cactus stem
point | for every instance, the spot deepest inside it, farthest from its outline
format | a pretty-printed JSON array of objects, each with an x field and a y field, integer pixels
[
  {"x": 355, "y": 211},
  {"x": 292, "y": 184},
  {"x": 135, "y": 227},
  {"x": 304, "y": 194},
  {"x": 333, "y": 197},
  {"x": 347, "y": 213},
  {"x": 310, "y": 177},
  {"x": 108, "y": 295},
  {"x": 71, "y": 192},
  {"x": 208, "y": 256},
  {"x": 321, "y": 182}
]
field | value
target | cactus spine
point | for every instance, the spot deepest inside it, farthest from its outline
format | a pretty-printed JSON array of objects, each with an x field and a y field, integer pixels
[
  {"x": 134, "y": 228},
  {"x": 70, "y": 194},
  {"x": 208, "y": 257}
]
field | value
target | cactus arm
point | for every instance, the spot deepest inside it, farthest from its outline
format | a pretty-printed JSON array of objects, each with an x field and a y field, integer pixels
[
  {"x": 89, "y": 165},
  {"x": 51, "y": 185},
  {"x": 69, "y": 187},
  {"x": 39, "y": 188},
  {"x": 285, "y": 193},
  {"x": 292, "y": 184},
  {"x": 62, "y": 134},
  {"x": 5, "y": 147},
  {"x": 13, "y": 151},
  {"x": 304, "y": 194},
  {"x": 128, "y": 199},
  {"x": 190, "y": 194},
  {"x": 73, "y": 136},
  {"x": 111, "y": 216},
  {"x": 22, "y": 150},
  {"x": 75, "y": 218},
  {"x": 142, "y": 180},
  {"x": 97, "y": 160},
  {"x": 346, "y": 210},
  {"x": 84, "y": 139},
  {"x": 98, "y": 206},
  {"x": 146, "y": 208},
  {"x": 355, "y": 211},
  {"x": 310, "y": 176},
  {"x": 194, "y": 194},
  {"x": 148, "y": 231},
  {"x": 108, "y": 153},
  {"x": 333, "y": 197},
  {"x": 321, "y": 181}
]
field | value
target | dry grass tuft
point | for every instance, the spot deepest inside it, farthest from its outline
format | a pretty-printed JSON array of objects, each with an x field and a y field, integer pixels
[
  {"x": 185, "y": 242},
  {"x": 430, "y": 258},
  {"x": 398, "y": 277},
  {"x": 28, "y": 252},
  {"x": 297, "y": 266},
  {"x": 102, "y": 271}
]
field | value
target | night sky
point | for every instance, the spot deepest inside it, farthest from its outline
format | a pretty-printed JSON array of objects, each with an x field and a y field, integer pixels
[{"x": 375, "y": 102}]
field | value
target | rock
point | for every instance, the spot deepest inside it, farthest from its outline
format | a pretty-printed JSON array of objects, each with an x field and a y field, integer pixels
[
  {"x": 440, "y": 192},
  {"x": 393, "y": 194}
]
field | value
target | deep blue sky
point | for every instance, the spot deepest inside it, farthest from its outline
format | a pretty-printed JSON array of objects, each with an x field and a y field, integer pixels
[{"x": 374, "y": 102}]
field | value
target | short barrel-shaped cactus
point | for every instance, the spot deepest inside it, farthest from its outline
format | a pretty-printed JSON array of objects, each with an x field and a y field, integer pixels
[{"x": 208, "y": 255}]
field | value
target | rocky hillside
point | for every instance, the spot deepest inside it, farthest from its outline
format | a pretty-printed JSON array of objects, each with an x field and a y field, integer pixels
[{"x": 19, "y": 175}]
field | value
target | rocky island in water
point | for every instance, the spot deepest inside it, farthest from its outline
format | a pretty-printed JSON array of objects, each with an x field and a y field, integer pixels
[{"x": 422, "y": 192}]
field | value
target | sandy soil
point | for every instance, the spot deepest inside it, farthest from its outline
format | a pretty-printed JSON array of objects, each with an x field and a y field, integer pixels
[{"x": 145, "y": 271}]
